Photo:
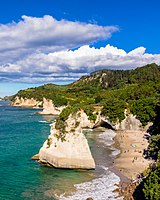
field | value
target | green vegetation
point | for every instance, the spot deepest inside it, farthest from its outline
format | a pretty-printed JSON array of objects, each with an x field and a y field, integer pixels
[
  {"x": 49, "y": 142},
  {"x": 144, "y": 109},
  {"x": 60, "y": 122},
  {"x": 49, "y": 91},
  {"x": 114, "y": 109},
  {"x": 137, "y": 90},
  {"x": 154, "y": 143},
  {"x": 151, "y": 182}
]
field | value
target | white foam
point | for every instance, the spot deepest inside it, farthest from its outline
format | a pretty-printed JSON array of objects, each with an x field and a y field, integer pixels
[
  {"x": 44, "y": 122},
  {"x": 107, "y": 137},
  {"x": 101, "y": 188},
  {"x": 115, "y": 151}
]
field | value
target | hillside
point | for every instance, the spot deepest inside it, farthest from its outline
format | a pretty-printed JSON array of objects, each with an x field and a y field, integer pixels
[
  {"x": 112, "y": 92},
  {"x": 137, "y": 90}
]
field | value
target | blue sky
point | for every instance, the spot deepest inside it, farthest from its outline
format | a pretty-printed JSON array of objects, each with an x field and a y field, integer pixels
[{"x": 59, "y": 41}]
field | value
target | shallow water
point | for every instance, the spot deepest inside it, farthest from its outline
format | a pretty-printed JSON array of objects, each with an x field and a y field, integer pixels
[{"x": 22, "y": 133}]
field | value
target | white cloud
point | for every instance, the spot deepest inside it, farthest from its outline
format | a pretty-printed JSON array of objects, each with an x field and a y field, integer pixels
[
  {"x": 137, "y": 52},
  {"x": 46, "y": 35},
  {"x": 37, "y": 50},
  {"x": 72, "y": 64}
]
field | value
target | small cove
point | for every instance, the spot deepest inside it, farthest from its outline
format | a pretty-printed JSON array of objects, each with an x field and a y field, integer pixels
[{"x": 22, "y": 133}]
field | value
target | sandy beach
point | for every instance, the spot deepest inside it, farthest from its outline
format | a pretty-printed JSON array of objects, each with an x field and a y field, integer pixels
[{"x": 130, "y": 162}]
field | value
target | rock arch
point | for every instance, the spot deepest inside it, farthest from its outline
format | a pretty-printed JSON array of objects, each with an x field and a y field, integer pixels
[{"x": 103, "y": 123}]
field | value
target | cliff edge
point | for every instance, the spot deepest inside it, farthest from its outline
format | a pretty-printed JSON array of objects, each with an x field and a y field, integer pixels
[
  {"x": 68, "y": 148},
  {"x": 49, "y": 108},
  {"x": 25, "y": 102}
]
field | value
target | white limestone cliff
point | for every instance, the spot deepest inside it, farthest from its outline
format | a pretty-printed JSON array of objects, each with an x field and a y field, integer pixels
[
  {"x": 50, "y": 109},
  {"x": 69, "y": 149},
  {"x": 48, "y": 106},
  {"x": 24, "y": 102},
  {"x": 129, "y": 123}
]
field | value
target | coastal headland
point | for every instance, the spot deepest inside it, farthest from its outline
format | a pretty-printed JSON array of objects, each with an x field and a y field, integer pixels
[{"x": 122, "y": 100}]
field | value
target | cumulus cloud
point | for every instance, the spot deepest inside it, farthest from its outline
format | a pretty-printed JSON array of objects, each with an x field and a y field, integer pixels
[
  {"x": 46, "y": 35},
  {"x": 40, "y": 50},
  {"x": 72, "y": 64}
]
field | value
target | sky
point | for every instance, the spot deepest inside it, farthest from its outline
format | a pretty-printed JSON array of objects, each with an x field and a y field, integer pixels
[{"x": 58, "y": 41}]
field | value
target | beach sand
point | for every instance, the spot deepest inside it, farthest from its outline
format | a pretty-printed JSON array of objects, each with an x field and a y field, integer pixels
[{"x": 131, "y": 162}]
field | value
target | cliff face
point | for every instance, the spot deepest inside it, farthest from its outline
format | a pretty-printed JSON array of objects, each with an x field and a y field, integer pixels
[
  {"x": 48, "y": 106},
  {"x": 69, "y": 149},
  {"x": 50, "y": 109},
  {"x": 129, "y": 123},
  {"x": 24, "y": 102}
]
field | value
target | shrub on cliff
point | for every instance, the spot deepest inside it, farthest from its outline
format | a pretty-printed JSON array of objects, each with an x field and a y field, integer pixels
[
  {"x": 144, "y": 109},
  {"x": 60, "y": 122},
  {"x": 114, "y": 109},
  {"x": 152, "y": 184}
]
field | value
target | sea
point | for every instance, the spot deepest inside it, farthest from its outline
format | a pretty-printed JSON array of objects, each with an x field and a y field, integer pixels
[{"x": 22, "y": 133}]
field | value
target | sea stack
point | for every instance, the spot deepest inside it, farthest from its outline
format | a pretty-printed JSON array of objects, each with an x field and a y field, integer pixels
[{"x": 69, "y": 150}]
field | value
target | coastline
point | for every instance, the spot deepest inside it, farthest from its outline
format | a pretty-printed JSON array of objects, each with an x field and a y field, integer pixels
[
  {"x": 104, "y": 183},
  {"x": 130, "y": 163},
  {"x": 123, "y": 166}
]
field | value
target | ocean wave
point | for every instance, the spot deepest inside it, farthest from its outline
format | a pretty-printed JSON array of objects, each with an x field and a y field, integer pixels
[
  {"x": 42, "y": 121},
  {"x": 107, "y": 137},
  {"x": 115, "y": 151},
  {"x": 101, "y": 188}
]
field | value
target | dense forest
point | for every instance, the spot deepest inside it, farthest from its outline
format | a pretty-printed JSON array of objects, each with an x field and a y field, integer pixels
[
  {"x": 150, "y": 186},
  {"x": 137, "y": 90}
]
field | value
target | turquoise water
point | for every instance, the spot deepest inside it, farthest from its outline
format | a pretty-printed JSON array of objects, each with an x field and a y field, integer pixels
[{"x": 22, "y": 133}]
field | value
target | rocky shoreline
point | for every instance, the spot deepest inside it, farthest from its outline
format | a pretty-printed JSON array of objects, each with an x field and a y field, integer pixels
[{"x": 129, "y": 139}]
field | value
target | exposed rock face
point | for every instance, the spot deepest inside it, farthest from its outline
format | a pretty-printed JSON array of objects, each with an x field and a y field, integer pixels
[
  {"x": 50, "y": 109},
  {"x": 79, "y": 120},
  {"x": 129, "y": 123},
  {"x": 24, "y": 102},
  {"x": 48, "y": 106},
  {"x": 69, "y": 149}
]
